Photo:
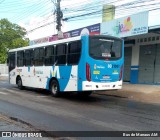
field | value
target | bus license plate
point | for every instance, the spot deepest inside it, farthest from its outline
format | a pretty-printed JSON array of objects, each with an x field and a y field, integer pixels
[{"x": 106, "y": 77}]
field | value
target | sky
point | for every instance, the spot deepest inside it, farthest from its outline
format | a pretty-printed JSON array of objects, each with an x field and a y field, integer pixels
[{"x": 37, "y": 16}]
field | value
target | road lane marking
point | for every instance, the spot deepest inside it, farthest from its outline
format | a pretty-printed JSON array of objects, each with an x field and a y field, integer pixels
[
  {"x": 9, "y": 90},
  {"x": 3, "y": 93},
  {"x": 6, "y": 89},
  {"x": 4, "y": 82}
]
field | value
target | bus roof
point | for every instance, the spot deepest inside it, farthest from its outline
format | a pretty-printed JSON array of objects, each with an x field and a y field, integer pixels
[
  {"x": 57, "y": 42},
  {"x": 46, "y": 44}
]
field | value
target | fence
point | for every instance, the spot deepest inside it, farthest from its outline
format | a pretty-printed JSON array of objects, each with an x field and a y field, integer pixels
[{"x": 3, "y": 70}]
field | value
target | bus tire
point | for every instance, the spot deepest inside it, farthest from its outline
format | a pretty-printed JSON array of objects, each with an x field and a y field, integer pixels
[
  {"x": 19, "y": 83},
  {"x": 54, "y": 88}
]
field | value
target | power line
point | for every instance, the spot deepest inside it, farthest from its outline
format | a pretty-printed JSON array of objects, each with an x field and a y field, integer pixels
[
  {"x": 100, "y": 11},
  {"x": 41, "y": 26},
  {"x": 32, "y": 10},
  {"x": 127, "y": 7}
]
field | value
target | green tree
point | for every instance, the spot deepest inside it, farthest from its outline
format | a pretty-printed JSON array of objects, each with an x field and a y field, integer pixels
[{"x": 11, "y": 36}]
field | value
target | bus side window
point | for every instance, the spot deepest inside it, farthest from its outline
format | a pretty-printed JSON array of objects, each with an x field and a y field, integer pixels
[
  {"x": 61, "y": 54},
  {"x": 39, "y": 56},
  {"x": 49, "y": 56},
  {"x": 36, "y": 57},
  {"x": 20, "y": 58},
  {"x": 12, "y": 61},
  {"x": 74, "y": 52},
  {"x": 28, "y": 57},
  {"x": 32, "y": 57}
]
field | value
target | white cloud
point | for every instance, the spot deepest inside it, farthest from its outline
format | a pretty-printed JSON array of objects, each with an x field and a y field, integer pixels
[{"x": 35, "y": 27}]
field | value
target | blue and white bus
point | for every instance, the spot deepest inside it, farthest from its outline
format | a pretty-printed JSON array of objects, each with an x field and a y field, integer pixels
[{"x": 82, "y": 64}]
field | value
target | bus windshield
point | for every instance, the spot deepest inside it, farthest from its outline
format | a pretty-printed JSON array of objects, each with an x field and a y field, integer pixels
[{"x": 105, "y": 48}]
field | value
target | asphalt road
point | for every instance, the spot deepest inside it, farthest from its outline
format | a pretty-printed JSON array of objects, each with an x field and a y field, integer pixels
[{"x": 39, "y": 110}]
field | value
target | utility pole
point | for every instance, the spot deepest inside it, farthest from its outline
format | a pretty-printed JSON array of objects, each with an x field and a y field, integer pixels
[{"x": 59, "y": 16}]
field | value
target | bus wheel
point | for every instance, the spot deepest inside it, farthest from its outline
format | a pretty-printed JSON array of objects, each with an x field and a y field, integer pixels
[
  {"x": 19, "y": 83},
  {"x": 54, "y": 88}
]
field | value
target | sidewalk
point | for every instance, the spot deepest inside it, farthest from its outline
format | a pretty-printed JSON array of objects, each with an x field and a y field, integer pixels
[
  {"x": 3, "y": 77},
  {"x": 138, "y": 92}
]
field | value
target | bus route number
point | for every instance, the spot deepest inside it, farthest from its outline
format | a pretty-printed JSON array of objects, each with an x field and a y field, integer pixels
[
  {"x": 109, "y": 66},
  {"x": 112, "y": 66}
]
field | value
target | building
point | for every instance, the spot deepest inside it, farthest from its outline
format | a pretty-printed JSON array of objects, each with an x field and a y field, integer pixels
[{"x": 142, "y": 57}]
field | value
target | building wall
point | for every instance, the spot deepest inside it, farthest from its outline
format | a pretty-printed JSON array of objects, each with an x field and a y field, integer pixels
[
  {"x": 150, "y": 39},
  {"x": 127, "y": 63},
  {"x": 134, "y": 64},
  {"x": 3, "y": 69}
]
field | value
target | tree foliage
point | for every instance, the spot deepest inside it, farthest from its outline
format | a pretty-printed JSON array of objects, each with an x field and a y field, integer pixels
[{"x": 11, "y": 36}]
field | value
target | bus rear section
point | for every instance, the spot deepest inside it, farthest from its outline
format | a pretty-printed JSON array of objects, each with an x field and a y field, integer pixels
[{"x": 103, "y": 63}]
